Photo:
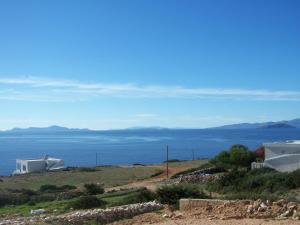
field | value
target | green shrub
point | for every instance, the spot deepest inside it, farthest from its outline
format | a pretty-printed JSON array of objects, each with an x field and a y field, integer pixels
[
  {"x": 222, "y": 159},
  {"x": 87, "y": 202},
  {"x": 260, "y": 183},
  {"x": 5, "y": 200},
  {"x": 31, "y": 203},
  {"x": 94, "y": 189},
  {"x": 295, "y": 175},
  {"x": 237, "y": 156},
  {"x": 69, "y": 195},
  {"x": 27, "y": 192},
  {"x": 8, "y": 198},
  {"x": 67, "y": 187},
  {"x": 87, "y": 169},
  {"x": 240, "y": 156},
  {"x": 143, "y": 196},
  {"x": 53, "y": 188},
  {"x": 48, "y": 188},
  {"x": 43, "y": 197},
  {"x": 170, "y": 194}
]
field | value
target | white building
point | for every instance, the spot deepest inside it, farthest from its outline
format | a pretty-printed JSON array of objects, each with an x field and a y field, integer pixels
[
  {"x": 281, "y": 156},
  {"x": 38, "y": 165}
]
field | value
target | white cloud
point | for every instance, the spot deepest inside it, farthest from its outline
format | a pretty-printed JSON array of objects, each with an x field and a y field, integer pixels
[{"x": 40, "y": 89}]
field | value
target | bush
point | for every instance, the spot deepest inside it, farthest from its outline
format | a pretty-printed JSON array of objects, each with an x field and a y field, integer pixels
[
  {"x": 295, "y": 175},
  {"x": 237, "y": 156},
  {"x": 69, "y": 195},
  {"x": 28, "y": 192},
  {"x": 143, "y": 196},
  {"x": 43, "y": 197},
  {"x": 47, "y": 193},
  {"x": 260, "y": 183},
  {"x": 5, "y": 200},
  {"x": 87, "y": 169},
  {"x": 13, "y": 198},
  {"x": 170, "y": 194},
  {"x": 241, "y": 156},
  {"x": 94, "y": 189},
  {"x": 53, "y": 188},
  {"x": 87, "y": 202}
]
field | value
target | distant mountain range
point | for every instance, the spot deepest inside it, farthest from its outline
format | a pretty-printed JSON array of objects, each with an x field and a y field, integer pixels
[
  {"x": 266, "y": 125},
  {"x": 50, "y": 129},
  {"x": 286, "y": 124}
]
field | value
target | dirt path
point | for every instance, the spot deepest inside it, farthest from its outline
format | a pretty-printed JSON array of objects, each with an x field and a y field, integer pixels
[{"x": 152, "y": 182}]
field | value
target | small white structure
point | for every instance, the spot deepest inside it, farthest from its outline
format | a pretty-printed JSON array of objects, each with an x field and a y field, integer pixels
[
  {"x": 38, "y": 165},
  {"x": 281, "y": 156},
  {"x": 257, "y": 165}
]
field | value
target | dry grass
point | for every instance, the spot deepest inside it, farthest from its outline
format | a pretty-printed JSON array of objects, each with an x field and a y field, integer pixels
[{"x": 109, "y": 176}]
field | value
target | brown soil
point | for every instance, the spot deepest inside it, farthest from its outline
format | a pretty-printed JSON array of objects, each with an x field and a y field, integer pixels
[{"x": 190, "y": 219}]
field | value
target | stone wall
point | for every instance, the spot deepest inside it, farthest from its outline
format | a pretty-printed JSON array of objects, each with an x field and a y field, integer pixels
[{"x": 109, "y": 215}]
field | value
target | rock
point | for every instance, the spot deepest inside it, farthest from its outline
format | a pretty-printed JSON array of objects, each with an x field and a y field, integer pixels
[
  {"x": 296, "y": 217},
  {"x": 37, "y": 211},
  {"x": 287, "y": 213},
  {"x": 292, "y": 205},
  {"x": 263, "y": 205},
  {"x": 281, "y": 202},
  {"x": 178, "y": 216},
  {"x": 250, "y": 209},
  {"x": 256, "y": 204}
]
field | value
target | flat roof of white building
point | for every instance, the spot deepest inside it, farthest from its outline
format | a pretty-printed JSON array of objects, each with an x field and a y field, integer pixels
[
  {"x": 289, "y": 142},
  {"x": 31, "y": 159}
]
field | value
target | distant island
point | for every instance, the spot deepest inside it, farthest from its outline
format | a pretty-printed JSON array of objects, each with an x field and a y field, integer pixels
[
  {"x": 295, "y": 123},
  {"x": 50, "y": 129},
  {"x": 287, "y": 124}
]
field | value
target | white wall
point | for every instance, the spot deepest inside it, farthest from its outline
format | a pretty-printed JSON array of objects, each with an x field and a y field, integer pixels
[
  {"x": 282, "y": 157},
  {"x": 36, "y": 166}
]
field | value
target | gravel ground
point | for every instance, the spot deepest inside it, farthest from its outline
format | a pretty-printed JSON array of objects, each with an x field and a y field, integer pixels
[{"x": 155, "y": 218}]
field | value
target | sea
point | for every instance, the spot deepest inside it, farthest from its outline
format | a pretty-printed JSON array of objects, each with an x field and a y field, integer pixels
[{"x": 125, "y": 147}]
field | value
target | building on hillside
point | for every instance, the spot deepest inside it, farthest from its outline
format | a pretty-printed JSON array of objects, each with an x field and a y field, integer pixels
[
  {"x": 38, "y": 165},
  {"x": 281, "y": 156}
]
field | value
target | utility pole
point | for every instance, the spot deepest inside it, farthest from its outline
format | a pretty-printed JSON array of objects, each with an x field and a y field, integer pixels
[
  {"x": 167, "y": 161},
  {"x": 193, "y": 150},
  {"x": 96, "y": 159}
]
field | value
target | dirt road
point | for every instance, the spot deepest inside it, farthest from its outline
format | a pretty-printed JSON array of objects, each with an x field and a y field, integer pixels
[{"x": 174, "y": 168}]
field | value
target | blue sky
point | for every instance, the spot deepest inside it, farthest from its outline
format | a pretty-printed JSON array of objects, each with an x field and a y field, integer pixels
[{"x": 118, "y": 63}]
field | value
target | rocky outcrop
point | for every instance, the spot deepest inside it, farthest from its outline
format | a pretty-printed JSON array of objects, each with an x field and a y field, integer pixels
[{"x": 259, "y": 209}]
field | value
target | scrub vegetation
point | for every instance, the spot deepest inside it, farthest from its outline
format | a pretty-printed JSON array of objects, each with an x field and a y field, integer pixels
[
  {"x": 82, "y": 188},
  {"x": 240, "y": 182}
]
